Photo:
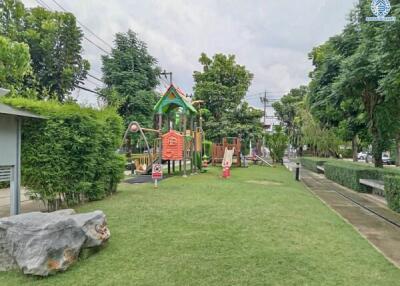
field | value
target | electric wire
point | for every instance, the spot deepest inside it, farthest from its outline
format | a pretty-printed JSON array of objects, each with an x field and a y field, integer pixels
[
  {"x": 83, "y": 25},
  {"x": 44, "y": 5}
]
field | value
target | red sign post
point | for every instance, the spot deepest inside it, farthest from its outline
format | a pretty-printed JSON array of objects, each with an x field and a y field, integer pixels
[{"x": 157, "y": 174}]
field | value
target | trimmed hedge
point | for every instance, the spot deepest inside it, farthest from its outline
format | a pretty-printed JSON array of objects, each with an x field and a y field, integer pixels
[
  {"x": 348, "y": 174},
  {"x": 392, "y": 191},
  {"x": 71, "y": 156},
  {"x": 311, "y": 163}
]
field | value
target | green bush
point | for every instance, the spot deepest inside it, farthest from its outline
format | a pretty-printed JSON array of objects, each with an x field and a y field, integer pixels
[
  {"x": 207, "y": 148},
  {"x": 346, "y": 153},
  {"x": 392, "y": 191},
  {"x": 311, "y": 163},
  {"x": 277, "y": 143},
  {"x": 71, "y": 155},
  {"x": 348, "y": 174}
]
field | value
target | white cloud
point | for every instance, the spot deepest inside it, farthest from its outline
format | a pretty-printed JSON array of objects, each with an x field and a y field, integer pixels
[{"x": 272, "y": 38}]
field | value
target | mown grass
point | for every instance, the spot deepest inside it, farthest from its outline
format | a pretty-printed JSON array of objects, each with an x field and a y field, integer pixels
[{"x": 258, "y": 228}]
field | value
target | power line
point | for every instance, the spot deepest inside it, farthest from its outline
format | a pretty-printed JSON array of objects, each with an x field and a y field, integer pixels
[
  {"x": 97, "y": 46},
  {"x": 88, "y": 90},
  {"x": 164, "y": 82},
  {"x": 95, "y": 77},
  {"x": 269, "y": 92},
  {"x": 265, "y": 101},
  {"x": 83, "y": 25},
  {"x": 260, "y": 94},
  {"x": 44, "y": 5},
  {"x": 92, "y": 82}
]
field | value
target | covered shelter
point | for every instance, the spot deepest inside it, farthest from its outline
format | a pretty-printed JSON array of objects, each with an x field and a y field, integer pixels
[{"x": 10, "y": 146}]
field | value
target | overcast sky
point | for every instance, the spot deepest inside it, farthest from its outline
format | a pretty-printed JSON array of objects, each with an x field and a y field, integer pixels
[{"x": 272, "y": 38}]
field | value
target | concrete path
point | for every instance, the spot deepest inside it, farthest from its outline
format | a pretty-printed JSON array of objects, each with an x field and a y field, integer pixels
[
  {"x": 27, "y": 205},
  {"x": 383, "y": 235}
]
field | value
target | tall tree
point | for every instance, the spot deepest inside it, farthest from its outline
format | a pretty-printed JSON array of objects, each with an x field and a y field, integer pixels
[
  {"x": 131, "y": 74},
  {"x": 331, "y": 104},
  {"x": 287, "y": 111},
  {"x": 360, "y": 76},
  {"x": 54, "y": 41},
  {"x": 389, "y": 85},
  {"x": 222, "y": 85}
]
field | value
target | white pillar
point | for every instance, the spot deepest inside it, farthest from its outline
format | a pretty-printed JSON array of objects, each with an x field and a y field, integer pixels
[{"x": 15, "y": 182}]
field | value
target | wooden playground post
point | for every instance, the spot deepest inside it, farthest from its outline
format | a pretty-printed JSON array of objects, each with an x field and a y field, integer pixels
[
  {"x": 160, "y": 136},
  {"x": 195, "y": 147},
  {"x": 184, "y": 146},
  {"x": 191, "y": 145}
]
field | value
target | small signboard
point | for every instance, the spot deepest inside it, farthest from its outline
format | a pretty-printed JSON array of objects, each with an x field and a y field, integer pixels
[{"x": 157, "y": 172}]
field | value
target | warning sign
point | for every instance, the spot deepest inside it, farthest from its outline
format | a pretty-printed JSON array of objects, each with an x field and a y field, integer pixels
[{"x": 157, "y": 173}]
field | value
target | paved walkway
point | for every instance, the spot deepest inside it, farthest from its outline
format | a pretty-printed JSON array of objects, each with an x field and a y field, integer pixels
[
  {"x": 27, "y": 205},
  {"x": 384, "y": 235}
]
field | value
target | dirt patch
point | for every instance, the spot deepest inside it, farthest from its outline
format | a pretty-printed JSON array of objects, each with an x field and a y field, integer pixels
[{"x": 265, "y": 183}]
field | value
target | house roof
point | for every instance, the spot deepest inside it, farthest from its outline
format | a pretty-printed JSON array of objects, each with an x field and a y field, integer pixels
[
  {"x": 8, "y": 110},
  {"x": 172, "y": 99}
]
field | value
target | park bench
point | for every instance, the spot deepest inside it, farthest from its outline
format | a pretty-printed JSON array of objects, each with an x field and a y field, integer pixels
[
  {"x": 321, "y": 169},
  {"x": 378, "y": 187}
]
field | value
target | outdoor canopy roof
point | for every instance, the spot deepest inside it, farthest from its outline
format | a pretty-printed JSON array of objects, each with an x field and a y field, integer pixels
[
  {"x": 8, "y": 110},
  {"x": 172, "y": 99}
]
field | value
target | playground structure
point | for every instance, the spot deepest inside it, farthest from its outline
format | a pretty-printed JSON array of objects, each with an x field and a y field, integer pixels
[
  {"x": 219, "y": 151},
  {"x": 179, "y": 135},
  {"x": 228, "y": 158}
]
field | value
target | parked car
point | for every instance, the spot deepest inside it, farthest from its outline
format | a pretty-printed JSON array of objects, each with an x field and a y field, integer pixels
[
  {"x": 368, "y": 158},
  {"x": 387, "y": 160},
  {"x": 362, "y": 156}
]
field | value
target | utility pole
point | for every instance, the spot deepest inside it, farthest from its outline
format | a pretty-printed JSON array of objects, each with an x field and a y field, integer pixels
[
  {"x": 165, "y": 74},
  {"x": 264, "y": 100}
]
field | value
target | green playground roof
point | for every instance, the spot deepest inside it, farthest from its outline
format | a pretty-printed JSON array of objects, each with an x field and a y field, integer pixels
[{"x": 173, "y": 99}]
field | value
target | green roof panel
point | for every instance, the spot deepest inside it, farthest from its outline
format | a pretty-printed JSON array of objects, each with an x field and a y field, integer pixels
[{"x": 173, "y": 99}]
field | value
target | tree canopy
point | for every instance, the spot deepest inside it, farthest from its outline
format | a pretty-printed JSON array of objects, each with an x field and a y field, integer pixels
[
  {"x": 222, "y": 85},
  {"x": 131, "y": 75},
  {"x": 55, "y": 47},
  {"x": 287, "y": 111},
  {"x": 353, "y": 93},
  {"x": 14, "y": 63}
]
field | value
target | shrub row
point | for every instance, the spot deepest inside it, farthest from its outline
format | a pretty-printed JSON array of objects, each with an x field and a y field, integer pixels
[
  {"x": 392, "y": 191},
  {"x": 311, "y": 163},
  {"x": 348, "y": 174},
  {"x": 71, "y": 155}
]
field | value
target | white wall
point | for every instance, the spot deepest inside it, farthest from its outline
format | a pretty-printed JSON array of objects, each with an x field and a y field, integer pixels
[{"x": 8, "y": 140}]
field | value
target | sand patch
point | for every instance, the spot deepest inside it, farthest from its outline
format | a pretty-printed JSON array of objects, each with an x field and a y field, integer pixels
[{"x": 265, "y": 183}]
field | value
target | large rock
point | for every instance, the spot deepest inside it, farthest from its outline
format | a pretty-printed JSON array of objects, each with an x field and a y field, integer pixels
[{"x": 45, "y": 243}]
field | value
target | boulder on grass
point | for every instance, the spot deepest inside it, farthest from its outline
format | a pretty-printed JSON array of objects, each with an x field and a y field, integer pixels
[{"x": 45, "y": 243}]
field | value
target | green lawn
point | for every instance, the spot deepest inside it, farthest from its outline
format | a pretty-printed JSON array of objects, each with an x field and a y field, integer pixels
[{"x": 258, "y": 228}]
